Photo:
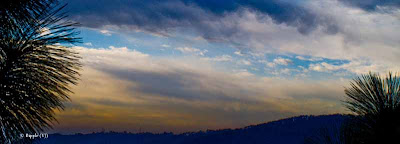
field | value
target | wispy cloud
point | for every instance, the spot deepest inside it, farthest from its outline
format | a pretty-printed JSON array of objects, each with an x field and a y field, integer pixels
[
  {"x": 222, "y": 58},
  {"x": 279, "y": 61},
  {"x": 142, "y": 92},
  {"x": 357, "y": 67},
  {"x": 238, "y": 53},
  {"x": 235, "y": 62},
  {"x": 190, "y": 50},
  {"x": 244, "y": 62},
  {"x": 309, "y": 59},
  {"x": 165, "y": 46},
  {"x": 88, "y": 44},
  {"x": 105, "y": 32},
  {"x": 162, "y": 17},
  {"x": 300, "y": 28}
]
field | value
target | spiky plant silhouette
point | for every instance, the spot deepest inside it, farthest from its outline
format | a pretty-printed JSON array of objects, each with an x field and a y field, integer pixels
[
  {"x": 35, "y": 68},
  {"x": 376, "y": 101}
]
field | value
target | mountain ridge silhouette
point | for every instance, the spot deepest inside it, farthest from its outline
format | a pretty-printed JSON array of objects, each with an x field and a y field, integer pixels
[{"x": 290, "y": 130}]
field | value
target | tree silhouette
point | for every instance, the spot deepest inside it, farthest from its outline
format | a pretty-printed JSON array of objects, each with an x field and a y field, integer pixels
[
  {"x": 36, "y": 68},
  {"x": 376, "y": 101}
]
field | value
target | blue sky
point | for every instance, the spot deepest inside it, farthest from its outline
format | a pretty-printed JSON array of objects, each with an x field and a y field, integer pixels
[
  {"x": 189, "y": 65},
  {"x": 288, "y": 65}
]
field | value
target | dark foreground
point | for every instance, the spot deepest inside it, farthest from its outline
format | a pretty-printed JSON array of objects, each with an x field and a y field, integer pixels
[{"x": 286, "y": 131}]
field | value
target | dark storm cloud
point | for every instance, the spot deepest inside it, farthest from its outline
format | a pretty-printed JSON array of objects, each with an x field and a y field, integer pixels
[
  {"x": 288, "y": 12},
  {"x": 371, "y": 5},
  {"x": 158, "y": 16}
]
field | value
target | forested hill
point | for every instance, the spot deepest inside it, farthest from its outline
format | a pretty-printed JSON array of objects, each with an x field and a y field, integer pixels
[{"x": 286, "y": 131}]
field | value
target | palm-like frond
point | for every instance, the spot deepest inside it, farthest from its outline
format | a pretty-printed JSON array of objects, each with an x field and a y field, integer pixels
[
  {"x": 372, "y": 95},
  {"x": 376, "y": 101},
  {"x": 35, "y": 70}
]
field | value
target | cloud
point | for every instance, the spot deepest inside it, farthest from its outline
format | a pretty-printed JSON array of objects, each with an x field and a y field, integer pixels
[
  {"x": 372, "y": 5},
  {"x": 279, "y": 61},
  {"x": 165, "y": 46},
  {"x": 191, "y": 50},
  {"x": 244, "y": 62},
  {"x": 285, "y": 71},
  {"x": 184, "y": 74},
  {"x": 282, "y": 61},
  {"x": 309, "y": 59},
  {"x": 137, "y": 89},
  {"x": 206, "y": 18},
  {"x": 105, "y": 32},
  {"x": 181, "y": 94},
  {"x": 238, "y": 53},
  {"x": 362, "y": 37},
  {"x": 243, "y": 73},
  {"x": 187, "y": 49},
  {"x": 271, "y": 64},
  {"x": 88, "y": 44},
  {"x": 357, "y": 67},
  {"x": 222, "y": 58},
  {"x": 348, "y": 31}
]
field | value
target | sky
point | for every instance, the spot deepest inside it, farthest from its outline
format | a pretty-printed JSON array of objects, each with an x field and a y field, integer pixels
[{"x": 190, "y": 65}]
